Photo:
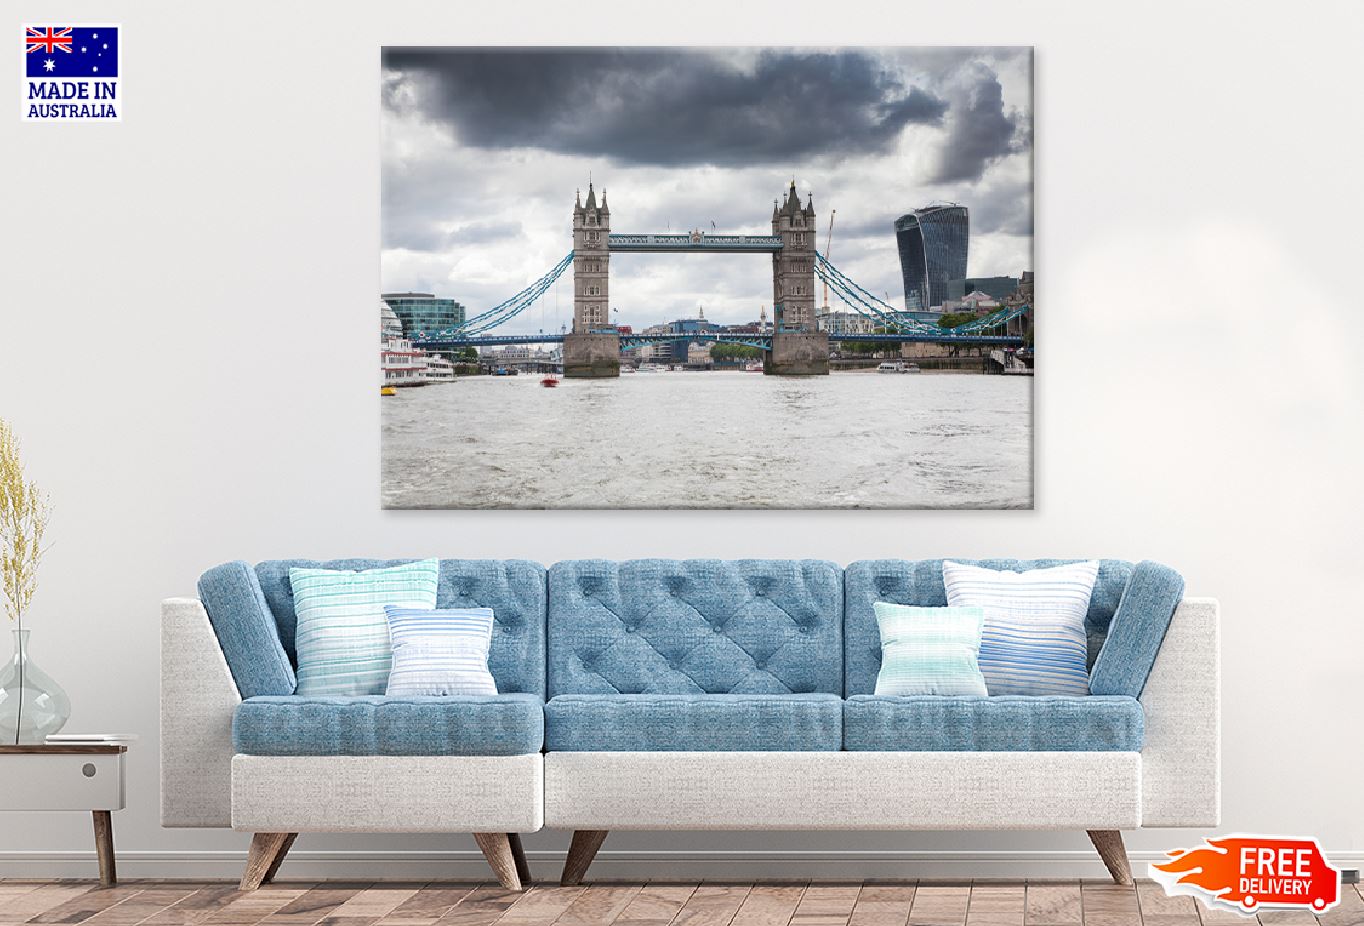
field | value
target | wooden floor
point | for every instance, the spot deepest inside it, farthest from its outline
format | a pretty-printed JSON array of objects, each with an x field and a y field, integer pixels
[{"x": 980, "y": 903}]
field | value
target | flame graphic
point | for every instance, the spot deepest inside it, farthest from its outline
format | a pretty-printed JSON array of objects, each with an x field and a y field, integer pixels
[{"x": 1214, "y": 869}]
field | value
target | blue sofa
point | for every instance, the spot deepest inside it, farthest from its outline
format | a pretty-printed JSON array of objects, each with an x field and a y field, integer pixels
[{"x": 695, "y": 694}]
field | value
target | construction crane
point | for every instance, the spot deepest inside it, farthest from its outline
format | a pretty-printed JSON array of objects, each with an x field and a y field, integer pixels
[{"x": 828, "y": 246}]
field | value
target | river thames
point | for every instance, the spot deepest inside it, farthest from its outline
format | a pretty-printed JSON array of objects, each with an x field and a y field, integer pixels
[{"x": 712, "y": 440}]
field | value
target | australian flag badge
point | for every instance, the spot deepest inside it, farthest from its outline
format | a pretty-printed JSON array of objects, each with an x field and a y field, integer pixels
[{"x": 71, "y": 73}]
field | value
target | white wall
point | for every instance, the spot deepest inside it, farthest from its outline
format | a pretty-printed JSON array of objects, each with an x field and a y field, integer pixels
[{"x": 186, "y": 351}]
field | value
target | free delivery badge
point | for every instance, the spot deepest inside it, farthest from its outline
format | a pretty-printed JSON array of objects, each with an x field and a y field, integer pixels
[{"x": 1244, "y": 873}]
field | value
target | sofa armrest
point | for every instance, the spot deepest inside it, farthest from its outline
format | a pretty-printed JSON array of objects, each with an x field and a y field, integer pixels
[
  {"x": 1181, "y": 759},
  {"x": 198, "y": 698}
]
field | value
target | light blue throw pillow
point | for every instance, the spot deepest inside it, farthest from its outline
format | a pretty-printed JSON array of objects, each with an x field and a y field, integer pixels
[
  {"x": 929, "y": 651},
  {"x": 342, "y": 634},
  {"x": 440, "y": 653},
  {"x": 1034, "y": 639}
]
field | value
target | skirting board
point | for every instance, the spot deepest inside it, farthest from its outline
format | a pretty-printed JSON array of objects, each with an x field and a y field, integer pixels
[{"x": 469, "y": 866}]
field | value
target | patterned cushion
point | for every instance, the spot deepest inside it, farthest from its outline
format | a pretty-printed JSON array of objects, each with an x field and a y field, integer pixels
[
  {"x": 929, "y": 651},
  {"x": 503, "y": 725},
  {"x": 998, "y": 724},
  {"x": 919, "y": 582},
  {"x": 1034, "y": 638},
  {"x": 342, "y": 636},
  {"x": 1148, "y": 603},
  {"x": 694, "y": 723},
  {"x": 514, "y": 589},
  {"x": 440, "y": 653},
  {"x": 695, "y": 627},
  {"x": 246, "y": 631}
]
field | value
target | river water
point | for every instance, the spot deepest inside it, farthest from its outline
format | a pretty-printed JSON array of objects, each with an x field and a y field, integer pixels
[{"x": 712, "y": 440}]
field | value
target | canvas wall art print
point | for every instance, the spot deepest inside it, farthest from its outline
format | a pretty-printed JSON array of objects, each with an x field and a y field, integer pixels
[{"x": 707, "y": 278}]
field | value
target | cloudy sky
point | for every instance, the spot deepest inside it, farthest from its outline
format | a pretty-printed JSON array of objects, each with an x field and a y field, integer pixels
[{"x": 483, "y": 150}]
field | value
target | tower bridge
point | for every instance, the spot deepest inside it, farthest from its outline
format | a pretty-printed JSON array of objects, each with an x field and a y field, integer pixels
[
  {"x": 795, "y": 347},
  {"x": 798, "y": 347}
]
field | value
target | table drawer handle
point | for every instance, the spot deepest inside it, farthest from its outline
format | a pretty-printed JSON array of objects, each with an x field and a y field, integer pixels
[{"x": 88, "y": 770}]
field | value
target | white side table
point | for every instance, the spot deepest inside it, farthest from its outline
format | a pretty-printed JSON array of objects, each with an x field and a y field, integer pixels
[{"x": 68, "y": 777}]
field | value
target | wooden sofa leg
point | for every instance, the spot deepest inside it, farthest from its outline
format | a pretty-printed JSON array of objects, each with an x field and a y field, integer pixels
[
  {"x": 581, "y": 852},
  {"x": 497, "y": 850},
  {"x": 1114, "y": 854},
  {"x": 519, "y": 856},
  {"x": 267, "y": 852}
]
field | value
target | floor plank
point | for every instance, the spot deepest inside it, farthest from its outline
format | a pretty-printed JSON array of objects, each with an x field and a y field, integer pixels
[
  {"x": 426, "y": 906},
  {"x": 482, "y": 906},
  {"x": 246, "y": 909},
  {"x": 1349, "y": 912},
  {"x": 314, "y": 905},
  {"x": 769, "y": 905},
  {"x": 655, "y": 905},
  {"x": 143, "y": 905},
  {"x": 207, "y": 904},
  {"x": 940, "y": 905},
  {"x": 826, "y": 905},
  {"x": 883, "y": 905},
  {"x": 598, "y": 905},
  {"x": 38, "y": 901},
  {"x": 1160, "y": 909},
  {"x": 982, "y": 903},
  {"x": 541, "y": 905},
  {"x": 712, "y": 905},
  {"x": 1287, "y": 918},
  {"x": 85, "y": 905},
  {"x": 1053, "y": 905}
]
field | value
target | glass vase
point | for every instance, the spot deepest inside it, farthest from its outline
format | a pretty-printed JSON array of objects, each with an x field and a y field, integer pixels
[{"x": 32, "y": 705}]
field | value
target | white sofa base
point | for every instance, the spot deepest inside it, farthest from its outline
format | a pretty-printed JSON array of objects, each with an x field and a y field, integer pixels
[
  {"x": 843, "y": 790},
  {"x": 387, "y": 794}
]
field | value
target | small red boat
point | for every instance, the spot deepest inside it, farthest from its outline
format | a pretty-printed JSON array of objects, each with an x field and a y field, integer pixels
[{"x": 550, "y": 381}]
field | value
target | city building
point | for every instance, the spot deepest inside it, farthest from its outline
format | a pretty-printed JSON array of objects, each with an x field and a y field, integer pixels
[
  {"x": 995, "y": 287},
  {"x": 933, "y": 243},
  {"x": 424, "y": 312},
  {"x": 979, "y": 302},
  {"x": 699, "y": 352},
  {"x": 842, "y": 323}
]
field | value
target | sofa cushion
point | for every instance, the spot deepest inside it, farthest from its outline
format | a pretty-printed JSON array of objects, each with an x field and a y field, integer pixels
[
  {"x": 246, "y": 631},
  {"x": 342, "y": 636},
  {"x": 514, "y": 589},
  {"x": 377, "y": 725},
  {"x": 1034, "y": 637},
  {"x": 1138, "y": 628},
  {"x": 699, "y": 723},
  {"x": 919, "y": 582},
  {"x": 927, "y": 723},
  {"x": 695, "y": 627},
  {"x": 440, "y": 653}
]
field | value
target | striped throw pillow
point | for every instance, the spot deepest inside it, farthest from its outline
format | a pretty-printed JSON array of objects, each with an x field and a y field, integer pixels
[
  {"x": 342, "y": 634},
  {"x": 1034, "y": 638},
  {"x": 440, "y": 653},
  {"x": 929, "y": 651}
]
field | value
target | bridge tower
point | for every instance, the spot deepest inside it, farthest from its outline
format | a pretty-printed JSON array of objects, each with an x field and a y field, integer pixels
[
  {"x": 799, "y": 348},
  {"x": 591, "y": 262},
  {"x": 593, "y": 349}
]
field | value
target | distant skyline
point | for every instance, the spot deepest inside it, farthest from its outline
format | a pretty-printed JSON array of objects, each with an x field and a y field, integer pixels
[{"x": 483, "y": 150}]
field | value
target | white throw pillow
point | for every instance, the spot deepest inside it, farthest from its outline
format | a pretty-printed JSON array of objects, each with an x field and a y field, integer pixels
[{"x": 1034, "y": 640}]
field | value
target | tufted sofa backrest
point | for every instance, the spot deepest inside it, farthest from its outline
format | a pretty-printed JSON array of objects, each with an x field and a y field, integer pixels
[
  {"x": 919, "y": 582},
  {"x": 514, "y": 589},
  {"x": 695, "y": 627}
]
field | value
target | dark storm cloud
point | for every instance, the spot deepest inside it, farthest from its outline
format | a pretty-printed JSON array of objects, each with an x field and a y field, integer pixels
[
  {"x": 1006, "y": 210},
  {"x": 979, "y": 132},
  {"x": 664, "y": 107}
]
